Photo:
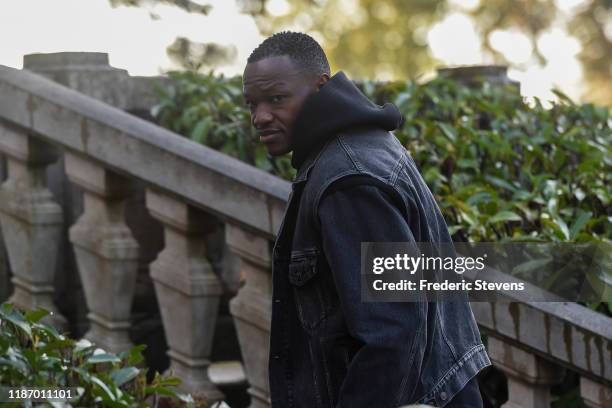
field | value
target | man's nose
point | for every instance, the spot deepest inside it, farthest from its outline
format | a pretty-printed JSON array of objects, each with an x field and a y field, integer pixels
[{"x": 261, "y": 117}]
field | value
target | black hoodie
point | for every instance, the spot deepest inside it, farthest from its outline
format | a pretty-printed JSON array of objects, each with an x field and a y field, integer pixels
[{"x": 337, "y": 106}]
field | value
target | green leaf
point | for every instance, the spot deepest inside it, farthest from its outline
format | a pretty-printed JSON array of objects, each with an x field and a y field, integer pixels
[
  {"x": 565, "y": 233},
  {"x": 16, "y": 363},
  {"x": 454, "y": 228},
  {"x": 17, "y": 319},
  {"x": 448, "y": 131},
  {"x": 35, "y": 315},
  {"x": 158, "y": 389},
  {"x": 480, "y": 197},
  {"x": 170, "y": 381},
  {"x": 135, "y": 354},
  {"x": 497, "y": 182},
  {"x": 124, "y": 375},
  {"x": 530, "y": 266},
  {"x": 200, "y": 131},
  {"x": 467, "y": 164},
  {"x": 50, "y": 331},
  {"x": 579, "y": 194},
  {"x": 505, "y": 216},
  {"x": 580, "y": 222},
  {"x": 563, "y": 97},
  {"x": 103, "y": 358},
  {"x": 104, "y": 387},
  {"x": 82, "y": 345}
]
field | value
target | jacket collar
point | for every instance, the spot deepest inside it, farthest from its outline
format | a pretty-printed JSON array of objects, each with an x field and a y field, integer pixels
[{"x": 308, "y": 164}]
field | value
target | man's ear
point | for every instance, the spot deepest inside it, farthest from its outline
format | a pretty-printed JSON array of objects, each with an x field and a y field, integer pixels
[{"x": 322, "y": 80}]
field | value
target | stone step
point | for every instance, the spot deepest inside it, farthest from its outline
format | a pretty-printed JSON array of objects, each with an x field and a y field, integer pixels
[{"x": 224, "y": 373}]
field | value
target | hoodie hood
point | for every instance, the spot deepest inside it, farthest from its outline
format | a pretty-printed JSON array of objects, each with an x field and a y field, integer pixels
[{"x": 337, "y": 106}]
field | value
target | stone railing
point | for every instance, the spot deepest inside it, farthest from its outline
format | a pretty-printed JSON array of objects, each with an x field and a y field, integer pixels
[{"x": 188, "y": 187}]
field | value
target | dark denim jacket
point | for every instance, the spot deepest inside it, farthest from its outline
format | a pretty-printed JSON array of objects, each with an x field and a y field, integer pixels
[{"x": 329, "y": 349}]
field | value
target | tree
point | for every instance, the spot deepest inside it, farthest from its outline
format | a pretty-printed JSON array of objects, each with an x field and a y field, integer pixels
[
  {"x": 188, "y": 5},
  {"x": 190, "y": 55},
  {"x": 373, "y": 37}
]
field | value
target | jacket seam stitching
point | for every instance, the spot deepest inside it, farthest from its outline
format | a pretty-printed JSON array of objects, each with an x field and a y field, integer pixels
[
  {"x": 443, "y": 332},
  {"x": 453, "y": 369},
  {"x": 402, "y": 387},
  {"x": 396, "y": 170},
  {"x": 350, "y": 153}
]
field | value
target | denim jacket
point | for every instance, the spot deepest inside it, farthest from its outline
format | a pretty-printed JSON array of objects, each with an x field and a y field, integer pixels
[{"x": 329, "y": 349}]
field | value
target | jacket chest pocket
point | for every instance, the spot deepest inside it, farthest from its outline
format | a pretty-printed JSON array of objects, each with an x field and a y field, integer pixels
[{"x": 313, "y": 299}]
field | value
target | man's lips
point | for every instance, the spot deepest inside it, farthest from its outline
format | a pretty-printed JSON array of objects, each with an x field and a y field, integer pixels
[{"x": 268, "y": 136}]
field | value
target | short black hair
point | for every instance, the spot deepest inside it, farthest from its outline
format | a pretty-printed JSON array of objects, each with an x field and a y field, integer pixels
[{"x": 300, "y": 47}]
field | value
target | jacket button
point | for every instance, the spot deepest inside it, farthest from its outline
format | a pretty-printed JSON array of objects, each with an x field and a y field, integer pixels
[
  {"x": 277, "y": 301},
  {"x": 276, "y": 357},
  {"x": 443, "y": 396}
]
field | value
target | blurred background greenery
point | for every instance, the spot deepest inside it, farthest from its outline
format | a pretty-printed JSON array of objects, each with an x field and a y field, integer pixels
[
  {"x": 565, "y": 44},
  {"x": 392, "y": 39}
]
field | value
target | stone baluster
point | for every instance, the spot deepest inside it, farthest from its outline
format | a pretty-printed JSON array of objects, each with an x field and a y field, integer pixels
[
  {"x": 529, "y": 376},
  {"x": 251, "y": 308},
  {"x": 105, "y": 251},
  {"x": 31, "y": 221},
  {"x": 595, "y": 395},
  {"x": 6, "y": 288},
  {"x": 188, "y": 291},
  {"x": 472, "y": 76}
]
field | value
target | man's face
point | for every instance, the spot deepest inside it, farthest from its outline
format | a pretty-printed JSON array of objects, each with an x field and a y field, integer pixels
[{"x": 275, "y": 90}]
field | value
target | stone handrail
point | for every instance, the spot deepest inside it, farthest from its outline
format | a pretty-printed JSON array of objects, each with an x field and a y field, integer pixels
[
  {"x": 105, "y": 149},
  {"x": 137, "y": 148},
  {"x": 531, "y": 342}
]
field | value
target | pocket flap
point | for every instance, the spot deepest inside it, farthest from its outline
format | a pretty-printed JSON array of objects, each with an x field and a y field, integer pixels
[{"x": 302, "y": 270}]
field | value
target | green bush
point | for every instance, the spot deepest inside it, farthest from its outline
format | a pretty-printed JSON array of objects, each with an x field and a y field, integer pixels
[
  {"x": 33, "y": 354},
  {"x": 499, "y": 168},
  {"x": 502, "y": 170}
]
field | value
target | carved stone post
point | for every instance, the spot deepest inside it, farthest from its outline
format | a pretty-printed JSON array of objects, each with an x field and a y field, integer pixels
[
  {"x": 595, "y": 395},
  {"x": 106, "y": 253},
  {"x": 6, "y": 288},
  {"x": 472, "y": 75},
  {"x": 252, "y": 308},
  {"x": 187, "y": 290},
  {"x": 31, "y": 221},
  {"x": 529, "y": 376}
]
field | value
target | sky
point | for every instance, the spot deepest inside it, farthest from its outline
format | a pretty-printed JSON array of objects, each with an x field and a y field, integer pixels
[{"x": 137, "y": 42}]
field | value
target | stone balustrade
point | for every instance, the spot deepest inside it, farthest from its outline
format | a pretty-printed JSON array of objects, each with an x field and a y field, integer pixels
[
  {"x": 31, "y": 220},
  {"x": 105, "y": 250},
  {"x": 106, "y": 151}
]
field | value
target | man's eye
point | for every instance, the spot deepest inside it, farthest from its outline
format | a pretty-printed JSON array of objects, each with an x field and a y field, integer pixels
[{"x": 276, "y": 98}]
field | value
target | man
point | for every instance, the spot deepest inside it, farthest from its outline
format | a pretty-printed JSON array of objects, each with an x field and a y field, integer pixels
[{"x": 355, "y": 183}]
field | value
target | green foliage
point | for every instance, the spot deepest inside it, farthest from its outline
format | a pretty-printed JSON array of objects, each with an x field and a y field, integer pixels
[
  {"x": 499, "y": 168},
  {"x": 34, "y": 354},
  {"x": 502, "y": 170}
]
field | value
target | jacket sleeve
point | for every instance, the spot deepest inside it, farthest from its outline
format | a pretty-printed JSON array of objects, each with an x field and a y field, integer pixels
[{"x": 385, "y": 371}]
